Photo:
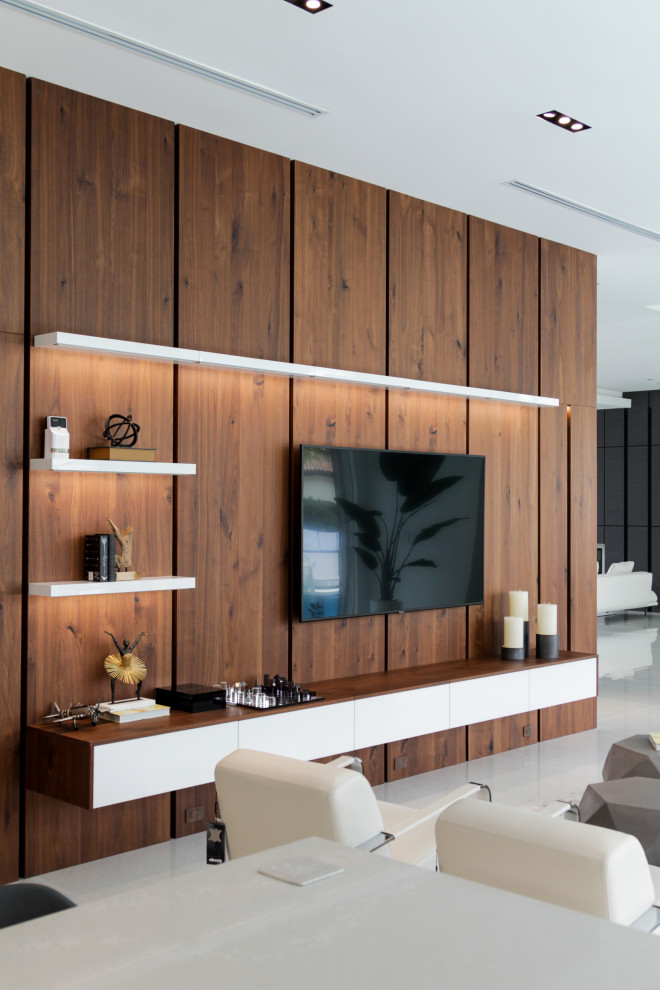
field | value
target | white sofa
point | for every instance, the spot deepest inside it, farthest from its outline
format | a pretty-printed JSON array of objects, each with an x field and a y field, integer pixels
[{"x": 617, "y": 592}]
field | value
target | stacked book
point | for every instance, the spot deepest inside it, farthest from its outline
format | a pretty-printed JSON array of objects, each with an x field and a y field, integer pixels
[
  {"x": 655, "y": 739},
  {"x": 132, "y": 711}
]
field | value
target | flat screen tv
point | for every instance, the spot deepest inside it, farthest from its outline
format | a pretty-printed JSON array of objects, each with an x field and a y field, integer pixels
[{"x": 389, "y": 531}]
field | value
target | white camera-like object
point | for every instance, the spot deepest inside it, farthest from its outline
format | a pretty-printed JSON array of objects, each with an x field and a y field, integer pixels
[{"x": 56, "y": 438}]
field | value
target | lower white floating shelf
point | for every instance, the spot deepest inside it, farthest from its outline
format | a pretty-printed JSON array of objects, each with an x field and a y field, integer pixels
[
  {"x": 68, "y": 589},
  {"x": 111, "y": 467}
]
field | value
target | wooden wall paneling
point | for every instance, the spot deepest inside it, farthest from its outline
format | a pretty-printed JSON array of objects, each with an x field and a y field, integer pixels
[
  {"x": 62, "y": 835},
  {"x": 499, "y": 735},
  {"x": 234, "y": 232},
  {"x": 373, "y": 759},
  {"x": 568, "y": 324},
  {"x": 12, "y": 201},
  {"x": 102, "y": 218},
  {"x": 336, "y": 415},
  {"x": 563, "y": 720},
  {"x": 192, "y": 799},
  {"x": 508, "y": 437},
  {"x": 233, "y": 526},
  {"x": 582, "y": 509},
  {"x": 503, "y": 306},
  {"x": 11, "y": 563},
  {"x": 553, "y": 514},
  {"x": 339, "y": 273},
  {"x": 427, "y": 291},
  {"x": 425, "y": 753},
  {"x": 428, "y": 423}
]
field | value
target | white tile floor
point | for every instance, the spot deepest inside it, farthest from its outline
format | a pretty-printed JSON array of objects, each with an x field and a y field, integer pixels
[{"x": 628, "y": 703}]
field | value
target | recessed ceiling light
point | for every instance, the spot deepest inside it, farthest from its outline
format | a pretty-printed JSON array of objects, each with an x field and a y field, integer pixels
[
  {"x": 311, "y": 6},
  {"x": 563, "y": 120}
]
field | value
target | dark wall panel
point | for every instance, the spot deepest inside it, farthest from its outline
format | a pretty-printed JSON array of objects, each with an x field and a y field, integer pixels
[
  {"x": 12, "y": 201},
  {"x": 568, "y": 324},
  {"x": 637, "y": 419},
  {"x": 615, "y": 486},
  {"x": 234, "y": 232},
  {"x": 600, "y": 420},
  {"x": 615, "y": 427},
  {"x": 11, "y": 499},
  {"x": 102, "y": 213},
  {"x": 654, "y": 564},
  {"x": 654, "y": 418},
  {"x": 427, "y": 291},
  {"x": 339, "y": 273},
  {"x": 503, "y": 306},
  {"x": 615, "y": 544},
  {"x": 637, "y": 486},
  {"x": 655, "y": 486},
  {"x": 637, "y": 546}
]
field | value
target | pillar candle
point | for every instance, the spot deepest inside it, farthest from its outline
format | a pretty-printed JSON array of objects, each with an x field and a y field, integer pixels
[
  {"x": 547, "y": 620},
  {"x": 513, "y": 631},
  {"x": 519, "y": 604}
]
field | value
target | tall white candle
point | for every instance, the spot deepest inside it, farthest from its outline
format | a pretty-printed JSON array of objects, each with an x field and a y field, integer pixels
[
  {"x": 513, "y": 631},
  {"x": 547, "y": 620},
  {"x": 519, "y": 604}
]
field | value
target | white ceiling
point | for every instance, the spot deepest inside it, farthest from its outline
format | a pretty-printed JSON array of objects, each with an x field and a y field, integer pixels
[{"x": 434, "y": 99}]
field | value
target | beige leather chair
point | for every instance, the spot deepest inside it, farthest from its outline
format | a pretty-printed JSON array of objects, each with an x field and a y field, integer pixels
[
  {"x": 268, "y": 800},
  {"x": 583, "y": 867}
]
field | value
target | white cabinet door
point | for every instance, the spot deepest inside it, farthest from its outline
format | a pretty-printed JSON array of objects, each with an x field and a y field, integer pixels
[
  {"x": 389, "y": 717},
  {"x": 565, "y": 682},
  {"x": 306, "y": 733},
  {"x": 484, "y": 698},
  {"x": 137, "y": 768}
]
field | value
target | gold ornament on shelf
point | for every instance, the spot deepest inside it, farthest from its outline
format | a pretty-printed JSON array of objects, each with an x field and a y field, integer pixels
[
  {"x": 124, "y": 666},
  {"x": 124, "y": 553}
]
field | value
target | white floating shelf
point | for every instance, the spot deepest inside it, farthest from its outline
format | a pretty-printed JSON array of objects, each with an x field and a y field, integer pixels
[
  {"x": 68, "y": 589},
  {"x": 180, "y": 355},
  {"x": 111, "y": 467}
]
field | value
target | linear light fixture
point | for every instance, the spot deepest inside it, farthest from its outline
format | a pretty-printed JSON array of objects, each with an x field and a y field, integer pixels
[
  {"x": 161, "y": 55},
  {"x": 179, "y": 355},
  {"x": 588, "y": 211}
]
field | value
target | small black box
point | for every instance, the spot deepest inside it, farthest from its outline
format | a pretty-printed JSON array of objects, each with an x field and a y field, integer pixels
[{"x": 191, "y": 698}]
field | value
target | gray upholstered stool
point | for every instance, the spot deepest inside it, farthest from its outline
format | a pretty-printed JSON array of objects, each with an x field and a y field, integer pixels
[
  {"x": 631, "y": 805},
  {"x": 632, "y": 757}
]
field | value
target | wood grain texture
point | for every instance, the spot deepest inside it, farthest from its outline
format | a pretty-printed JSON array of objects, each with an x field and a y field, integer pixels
[
  {"x": 61, "y": 835},
  {"x": 553, "y": 514},
  {"x": 437, "y": 424},
  {"x": 234, "y": 231},
  {"x": 568, "y": 324},
  {"x": 508, "y": 437},
  {"x": 11, "y": 559},
  {"x": 59, "y": 767},
  {"x": 102, "y": 218},
  {"x": 427, "y": 291},
  {"x": 233, "y": 526},
  {"x": 499, "y": 735},
  {"x": 425, "y": 753},
  {"x": 503, "y": 306},
  {"x": 339, "y": 271},
  {"x": 582, "y": 510},
  {"x": 192, "y": 797},
  {"x": 563, "y": 720},
  {"x": 12, "y": 201},
  {"x": 337, "y": 415}
]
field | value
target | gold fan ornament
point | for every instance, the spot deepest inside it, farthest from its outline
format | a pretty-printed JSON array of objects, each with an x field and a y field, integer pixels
[{"x": 124, "y": 666}]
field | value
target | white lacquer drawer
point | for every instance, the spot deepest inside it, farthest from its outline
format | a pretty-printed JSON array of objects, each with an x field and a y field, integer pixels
[
  {"x": 485, "y": 698},
  {"x": 563, "y": 683},
  {"x": 306, "y": 733},
  {"x": 390, "y": 717}
]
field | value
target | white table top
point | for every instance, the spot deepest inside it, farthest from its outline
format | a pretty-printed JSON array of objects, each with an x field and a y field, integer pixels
[{"x": 380, "y": 924}]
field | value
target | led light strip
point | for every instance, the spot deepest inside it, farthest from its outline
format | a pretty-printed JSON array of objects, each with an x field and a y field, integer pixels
[
  {"x": 161, "y": 55},
  {"x": 181, "y": 355},
  {"x": 588, "y": 211}
]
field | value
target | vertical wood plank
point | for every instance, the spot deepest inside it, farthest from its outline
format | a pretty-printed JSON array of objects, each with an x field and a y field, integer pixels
[
  {"x": 232, "y": 528},
  {"x": 425, "y": 753},
  {"x": 568, "y": 324},
  {"x": 582, "y": 509},
  {"x": 553, "y": 514},
  {"x": 102, "y": 217},
  {"x": 373, "y": 760},
  {"x": 438, "y": 424},
  {"x": 508, "y": 437},
  {"x": 563, "y": 720},
  {"x": 500, "y": 735},
  {"x": 234, "y": 231},
  {"x": 11, "y": 558},
  {"x": 12, "y": 201},
  {"x": 503, "y": 292},
  {"x": 337, "y": 415},
  {"x": 427, "y": 291},
  {"x": 339, "y": 278}
]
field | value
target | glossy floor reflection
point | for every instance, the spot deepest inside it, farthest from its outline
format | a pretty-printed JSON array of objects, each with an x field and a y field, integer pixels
[{"x": 628, "y": 703}]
